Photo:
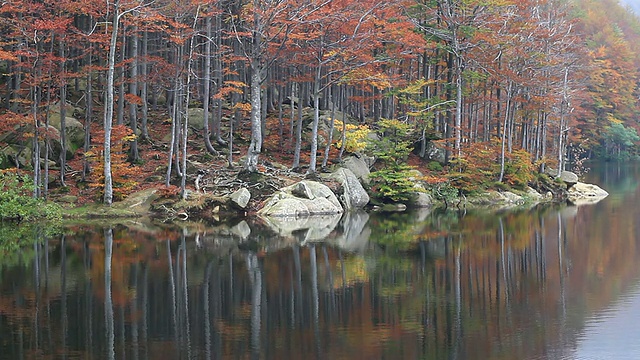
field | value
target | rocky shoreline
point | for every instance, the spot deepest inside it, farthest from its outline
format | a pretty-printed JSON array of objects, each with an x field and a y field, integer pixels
[{"x": 275, "y": 196}]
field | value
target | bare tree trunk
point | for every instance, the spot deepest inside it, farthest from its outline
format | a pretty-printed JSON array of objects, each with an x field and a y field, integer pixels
[
  {"x": 207, "y": 89},
  {"x": 36, "y": 142},
  {"x": 185, "y": 123},
  {"x": 343, "y": 140},
  {"x": 144, "y": 90},
  {"x": 88, "y": 101},
  {"x": 108, "y": 104},
  {"x": 504, "y": 131},
  {"x": 219, "y": 78},
  {"x": 172, "y": 144},
  {"x": 63, "y": 115},
  {"x": 563, "y": 130},
  {"x": 327, "y": 147},
  {"x": 316, "y": 119},
  {"x": 458, "y": 119},
  {"x": 255, "y": 146},
  {"x": 298, "y": 137},
  {"x": 133, "y": 91},
  {"x": 120, "y": 112}
]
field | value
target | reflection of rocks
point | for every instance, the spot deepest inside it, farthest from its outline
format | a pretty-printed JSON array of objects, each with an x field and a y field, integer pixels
[
  {"x": 583, "y": 194},
  {"x": 242, "y": 230},
  {"x": 356, "y": 233},
  {"x": 305, "y": 198},
  {"x": 568, "y": 212},
  {"x": 312, "y": 228}
]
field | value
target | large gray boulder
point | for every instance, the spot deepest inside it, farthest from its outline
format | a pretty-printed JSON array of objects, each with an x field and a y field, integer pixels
[
  {"x": 360, "y": 166},
  {"x": 353, "y": 195},
  {"x": 240, "y": 198},
  {"x": 196, "y": 118},
  {"x": 569, "y": 178},
  {"x": 581, "y": 194},
  {"x": 436, "y": 152},
  {"x": 422, "y": 199},
  {"x": 14, "y": 155},
  {"x": 305, "y": 198},
  {"x": 74, "y": 130}
]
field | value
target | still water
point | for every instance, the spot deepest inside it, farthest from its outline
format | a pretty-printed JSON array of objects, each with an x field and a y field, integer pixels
[{"x": 553, "y": 282}]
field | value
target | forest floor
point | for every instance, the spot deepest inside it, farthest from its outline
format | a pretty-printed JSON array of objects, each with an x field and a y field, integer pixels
[{"x": 218, "y": 177}]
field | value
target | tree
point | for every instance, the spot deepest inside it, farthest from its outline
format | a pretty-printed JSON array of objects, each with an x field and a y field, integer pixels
[{"x": 261, "y": 29}]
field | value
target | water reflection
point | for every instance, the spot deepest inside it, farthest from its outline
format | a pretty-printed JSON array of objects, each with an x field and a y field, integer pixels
[{"x": 513, "y": 285}]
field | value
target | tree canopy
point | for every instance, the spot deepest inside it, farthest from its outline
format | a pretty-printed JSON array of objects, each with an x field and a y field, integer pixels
[{"x": 549, "y": 78}]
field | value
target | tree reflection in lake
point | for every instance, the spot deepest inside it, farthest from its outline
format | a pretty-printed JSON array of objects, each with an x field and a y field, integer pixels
[{"x": 510, "y": 285}]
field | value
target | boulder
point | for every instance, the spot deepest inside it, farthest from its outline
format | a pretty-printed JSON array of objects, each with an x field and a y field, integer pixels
[
  {"x": 422, "y": 199},
  {"x": 13, "y": 155},
  {"x": 56, "y": 144},
  {"x": 504, "y": 199},
  {"x": 511, "y": 198},
  {"x": 534, "y": 195},
  {"x": 196, "y": 118},
  {"x": 302, "y": 190},
  {"x": 305, "y": 198},
  {"x": 74, "y": 131},
  {"x": 581, "y": 193},
  {"x": 436, "y": 152},
  {"x": 353, "y": 195},
  {"x": 240, "y": 198},
  {"x": 569, "y": 178},
  {"x": 359, "y": 166}
]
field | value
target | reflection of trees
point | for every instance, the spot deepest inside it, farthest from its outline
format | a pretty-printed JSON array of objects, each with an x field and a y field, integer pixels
[
  {"x": 467, "y": 287},
  {"x": 108, "y": 304}
]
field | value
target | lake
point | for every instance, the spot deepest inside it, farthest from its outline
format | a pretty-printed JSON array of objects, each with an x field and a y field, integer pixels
[{"x": 550, "y": 282}]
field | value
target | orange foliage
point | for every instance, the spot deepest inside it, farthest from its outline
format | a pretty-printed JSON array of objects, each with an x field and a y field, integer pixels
[{"x": 123, "y": 173}]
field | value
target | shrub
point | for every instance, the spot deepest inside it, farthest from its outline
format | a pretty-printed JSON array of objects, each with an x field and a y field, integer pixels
[
  {"x": 391, "y": 182},
  {"x": 17, "y": 202},
  {"x": 479, "y": 168},
  {"x": 435, "y": 166},
  {"x": 356, "y": 136}
]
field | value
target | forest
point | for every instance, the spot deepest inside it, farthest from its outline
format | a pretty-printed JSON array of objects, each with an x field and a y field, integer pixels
[{"x": 104, "y": 93}]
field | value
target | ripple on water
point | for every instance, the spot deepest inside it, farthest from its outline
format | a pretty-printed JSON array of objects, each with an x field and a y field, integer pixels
[{"x": 613, "y": 333}]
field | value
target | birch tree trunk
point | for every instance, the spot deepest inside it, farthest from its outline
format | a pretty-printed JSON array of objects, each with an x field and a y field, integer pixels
[
  {"x": 108, "y": 106},
  {"x": 207, "y": 89}
]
